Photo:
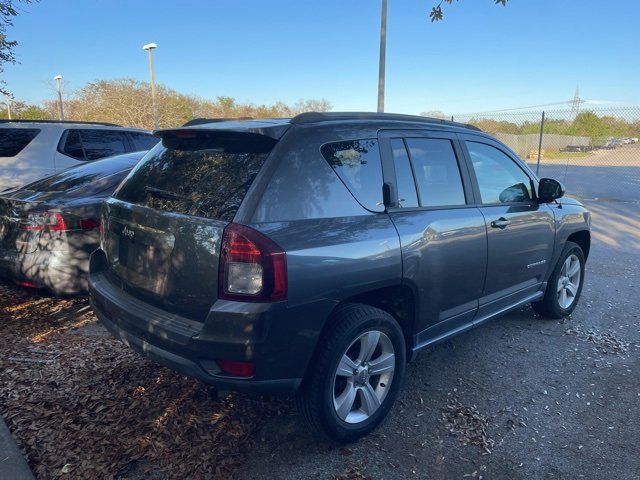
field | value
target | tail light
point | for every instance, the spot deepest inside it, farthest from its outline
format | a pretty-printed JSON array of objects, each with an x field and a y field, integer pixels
[
  {"x": 89, "y": 224},
  {"x": 239, "y": 369},
  {"x": 55, "y": 222},
  {"x": 253, "y": 268},
  {"x": 39, "y": 221}
]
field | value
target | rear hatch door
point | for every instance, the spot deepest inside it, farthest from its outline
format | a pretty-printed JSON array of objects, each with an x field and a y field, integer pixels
[{"x": 163, "y": 229}]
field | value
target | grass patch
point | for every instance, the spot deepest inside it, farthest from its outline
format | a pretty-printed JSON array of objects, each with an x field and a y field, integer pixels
[{"x": 553, "y": 154}]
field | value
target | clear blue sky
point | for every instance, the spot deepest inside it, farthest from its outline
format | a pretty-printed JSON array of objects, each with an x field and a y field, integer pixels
[{"x": 481, "y": 57}]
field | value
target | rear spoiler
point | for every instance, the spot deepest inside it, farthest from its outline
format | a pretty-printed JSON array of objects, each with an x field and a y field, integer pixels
[
  {"x": 229, "y": 141},
  {"x": 274, "y": 129}
]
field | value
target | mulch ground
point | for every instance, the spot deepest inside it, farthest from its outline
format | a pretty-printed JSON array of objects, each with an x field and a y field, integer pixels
[{"x": 82, "y": 405}]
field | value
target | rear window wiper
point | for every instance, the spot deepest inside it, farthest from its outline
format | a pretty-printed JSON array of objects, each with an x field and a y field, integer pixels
[{"x": 157, "y": 192}]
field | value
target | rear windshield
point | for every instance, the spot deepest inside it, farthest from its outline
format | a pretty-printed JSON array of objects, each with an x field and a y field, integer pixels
[
  {"x": 100, "y": 174},
  {"x": 206, "y": 175},
  {"x": 13, "y": 140}
]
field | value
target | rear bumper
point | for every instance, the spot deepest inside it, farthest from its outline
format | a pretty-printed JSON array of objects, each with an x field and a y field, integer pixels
[
  {"x": 62, "y": 272},
  {"x": 278, "y": 339},
  {"x": 186, "y": 366}
]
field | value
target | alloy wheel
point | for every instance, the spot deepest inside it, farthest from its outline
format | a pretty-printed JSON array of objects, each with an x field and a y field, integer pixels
[
  {"x": 569, "y": 281},
  {"x": 363, "y": 377}
]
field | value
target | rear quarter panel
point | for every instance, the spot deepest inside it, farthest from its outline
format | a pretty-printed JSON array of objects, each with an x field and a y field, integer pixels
[{"x": 335, "y": 247}]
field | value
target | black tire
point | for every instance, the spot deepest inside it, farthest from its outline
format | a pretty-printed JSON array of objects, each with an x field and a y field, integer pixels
[
  {"x": 549, "y": 306},
  {"x": 315, "y": 400}
]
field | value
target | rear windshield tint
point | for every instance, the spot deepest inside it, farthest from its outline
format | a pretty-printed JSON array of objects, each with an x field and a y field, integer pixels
[
  {"x": 100, "y": 175},
  {"x": 206, "y": 175},
  {"x": 13, "y": 140}
]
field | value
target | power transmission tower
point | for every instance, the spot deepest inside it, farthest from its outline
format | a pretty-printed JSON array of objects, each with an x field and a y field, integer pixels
[{"x": 575, "y": 104}]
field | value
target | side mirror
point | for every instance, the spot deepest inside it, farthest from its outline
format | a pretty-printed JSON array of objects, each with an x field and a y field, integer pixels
[{"x": 549, "y": 190}]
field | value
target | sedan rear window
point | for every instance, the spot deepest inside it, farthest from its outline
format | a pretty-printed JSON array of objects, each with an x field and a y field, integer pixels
[
  {"x": 13, "y": 140},
  {"x": 143, "y": 141},
  {"x": 96, "y": 176},
  {"x": 205, "y": 174}
]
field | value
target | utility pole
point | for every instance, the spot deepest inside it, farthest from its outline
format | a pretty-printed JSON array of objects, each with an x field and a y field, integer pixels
[
  {"x": 149, "y": 48},
  {"x": 58, "y": 79},
  {"x": 383, "y": 55}
]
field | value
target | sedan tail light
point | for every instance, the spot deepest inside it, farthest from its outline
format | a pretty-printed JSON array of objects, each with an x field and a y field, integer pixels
[
  {"x": 39, "y": 221},
  {"x": 56, "y": 222},
  {"x": 253, "y": 268}
]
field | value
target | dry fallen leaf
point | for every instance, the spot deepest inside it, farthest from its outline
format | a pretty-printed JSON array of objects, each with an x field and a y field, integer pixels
[{"x": 92, "y": 408}]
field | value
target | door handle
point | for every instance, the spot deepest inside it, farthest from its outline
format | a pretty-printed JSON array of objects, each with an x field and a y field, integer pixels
[{"x": 501, "y": 223}]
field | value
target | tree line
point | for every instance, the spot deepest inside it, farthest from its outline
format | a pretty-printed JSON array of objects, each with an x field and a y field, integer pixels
[
  {"x": 585, "y": 124},
  {"x": 127, "y": 102}
]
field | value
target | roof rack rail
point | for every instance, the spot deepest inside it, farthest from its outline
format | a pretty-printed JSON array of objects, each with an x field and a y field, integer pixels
[
  {"x": 316, "y": 117},
  {"x": 6, "y": 120},
  {"x": 200, "y": 121}
]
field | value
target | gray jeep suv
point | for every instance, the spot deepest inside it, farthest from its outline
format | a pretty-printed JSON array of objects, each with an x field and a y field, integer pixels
[{"x": 317, "y": 254}]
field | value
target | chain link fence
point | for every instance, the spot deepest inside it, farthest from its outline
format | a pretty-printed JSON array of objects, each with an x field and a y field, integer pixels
[{"x": 594, "y": 152}]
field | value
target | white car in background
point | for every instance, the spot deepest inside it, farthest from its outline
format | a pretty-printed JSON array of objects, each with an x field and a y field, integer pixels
[{"x": 31, "y": 150}]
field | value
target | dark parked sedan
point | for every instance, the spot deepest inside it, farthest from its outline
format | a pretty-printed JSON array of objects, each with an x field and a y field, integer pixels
[{"x": 49, "y": 228}]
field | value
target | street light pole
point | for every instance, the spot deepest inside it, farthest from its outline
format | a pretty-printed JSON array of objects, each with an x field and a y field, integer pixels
[
  {"x": 383, "y": 55},
  {"x": 150, "y": 47},
  {"x": 58, "y": 79}
]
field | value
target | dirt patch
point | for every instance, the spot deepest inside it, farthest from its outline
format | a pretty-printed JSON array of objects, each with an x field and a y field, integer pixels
[
  {"x": 85, "y": 406},
  {"x": 603, "y": 341},
  {"x": 355, "y": 471},
  {"x": 468, "y": 424}
]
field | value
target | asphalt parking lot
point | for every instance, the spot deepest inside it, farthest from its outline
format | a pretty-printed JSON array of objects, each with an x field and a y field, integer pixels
[
  {"x": 521, "y": 397},
  {"x": 531, "y": 398},
  {"x": 603, "y": 175}
]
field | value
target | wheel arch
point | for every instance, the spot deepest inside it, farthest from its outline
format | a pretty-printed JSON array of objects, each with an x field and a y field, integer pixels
[
  {"x": 583, "y": 239},
  {"x": 399, "y": 301}
]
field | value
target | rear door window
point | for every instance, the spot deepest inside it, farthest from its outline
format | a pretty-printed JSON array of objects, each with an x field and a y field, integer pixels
[
  {"x": 357, "y": 163},
  {"x": 100, "y": 143},
  {"x": 205, "y": 176},
  {"x": 92, "y": 144},
  {"x": 71, "y": 145},
  {"x": 14, "y": 140},
  {"x": 436, "y": 171},
  {"x": 407, "y": 196},
  {"x": 102, "y": 174},
  {"x": 143, "y": 141}
]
